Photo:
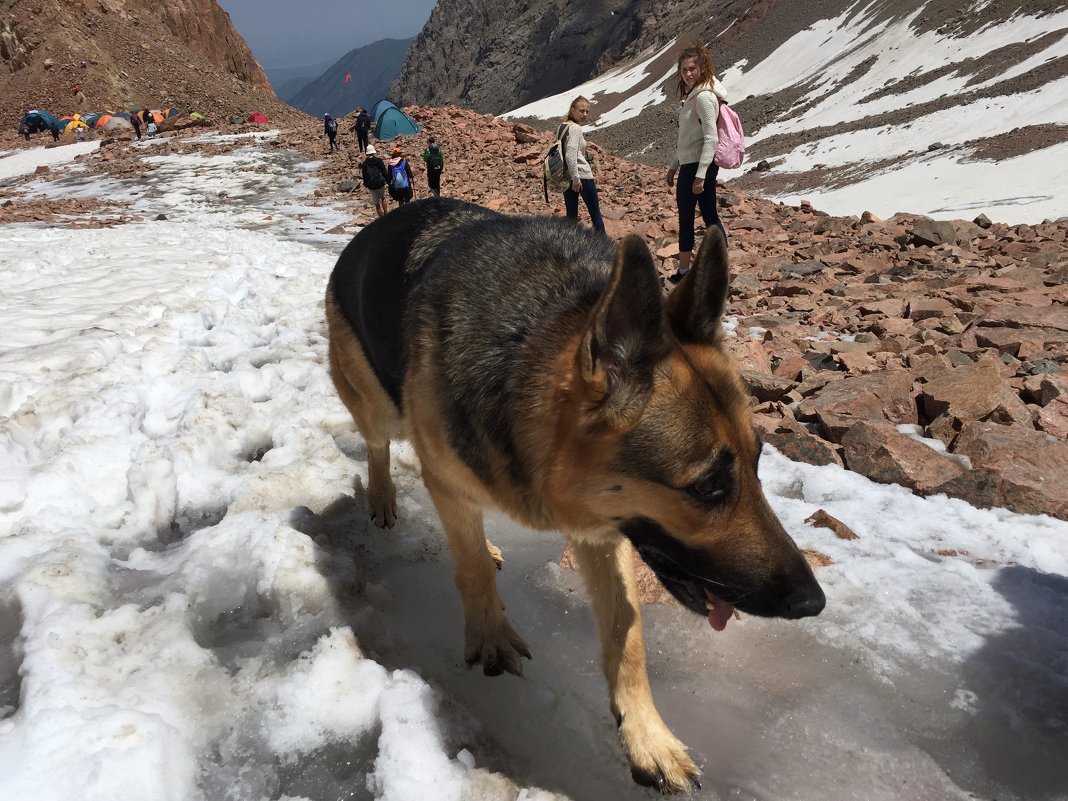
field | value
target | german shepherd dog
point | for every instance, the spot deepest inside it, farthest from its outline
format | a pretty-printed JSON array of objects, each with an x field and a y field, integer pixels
[{"x": 537, "y": 369}]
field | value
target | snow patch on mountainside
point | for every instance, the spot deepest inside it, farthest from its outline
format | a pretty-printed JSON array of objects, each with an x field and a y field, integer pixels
[
  {"x": 617, "y": 95},
  {"x": 855, "y": 67}
]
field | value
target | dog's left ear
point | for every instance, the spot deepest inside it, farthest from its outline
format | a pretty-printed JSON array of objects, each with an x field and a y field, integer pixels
[
  {"x": 625, "y": 338},
  {"x": 697, "y": 303}
]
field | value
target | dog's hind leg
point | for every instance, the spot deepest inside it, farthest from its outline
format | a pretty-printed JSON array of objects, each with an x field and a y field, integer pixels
[
  {"x": 656, "y": 757},
  {"x": 489, "y": 638},
  {"x": 374, "y": 415}
]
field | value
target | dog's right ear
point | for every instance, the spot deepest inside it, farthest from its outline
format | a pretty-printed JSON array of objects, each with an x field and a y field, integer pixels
[
  {"x": 625, "y": 337},
  {"x": 695, "y": 306}
]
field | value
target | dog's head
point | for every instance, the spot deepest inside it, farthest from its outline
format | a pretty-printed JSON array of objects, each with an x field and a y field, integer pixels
[{"x": 661, "y": 446}]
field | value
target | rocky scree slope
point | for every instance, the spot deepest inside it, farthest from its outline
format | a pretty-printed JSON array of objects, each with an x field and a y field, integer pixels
[
  {"x": 502, "y": 54},
  {"x": 856, "y": 336},
  {"x": 125, "y": 53}
]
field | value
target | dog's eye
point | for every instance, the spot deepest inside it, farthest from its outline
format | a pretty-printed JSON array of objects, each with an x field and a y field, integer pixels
[{"x": 712, "y": 488}]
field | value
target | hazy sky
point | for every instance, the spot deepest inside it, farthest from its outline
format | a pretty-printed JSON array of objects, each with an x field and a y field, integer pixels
[{"x": 289, "y": 33}]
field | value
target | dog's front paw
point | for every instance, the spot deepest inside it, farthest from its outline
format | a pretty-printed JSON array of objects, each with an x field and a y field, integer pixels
[
  {"x": 657, "y": 758},
  {"x": 499, "y": 649},
  {"x": 382, "y": 506}
]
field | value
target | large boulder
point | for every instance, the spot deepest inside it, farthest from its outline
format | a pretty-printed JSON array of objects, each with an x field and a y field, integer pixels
[
  {"x": 882, "y": 453},
  {"x": 1013, "y": 467},
  {"x": 1053, "y": 419},
  {"x": 972, "y": 392},
  {"x": 793, "y": 441},
  {"x": 926, "y": 231},
  {"x": 885, "y": 395}
]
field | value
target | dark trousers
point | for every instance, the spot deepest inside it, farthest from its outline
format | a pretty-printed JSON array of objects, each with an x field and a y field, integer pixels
[
  {"x": 689, "y": 202},
  {"x": 362, "y": 137},
  {"x": 433, "y": 180},
  {"x": 333, "y": 141},
  {"x": 589, "y": 197}
]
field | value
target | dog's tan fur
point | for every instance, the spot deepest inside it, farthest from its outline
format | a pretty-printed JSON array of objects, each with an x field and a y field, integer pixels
[{"x": 573, "y": 437}]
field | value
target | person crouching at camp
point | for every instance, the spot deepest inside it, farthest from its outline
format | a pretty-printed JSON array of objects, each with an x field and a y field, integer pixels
[
  {"x": 373, "y": 174},
  {"x": 401, "y": 186}
]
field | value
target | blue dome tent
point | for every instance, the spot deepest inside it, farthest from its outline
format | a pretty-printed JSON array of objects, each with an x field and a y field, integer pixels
[
  {"x": 378, "y": 108},
  {"x": 394, "y": 122}
]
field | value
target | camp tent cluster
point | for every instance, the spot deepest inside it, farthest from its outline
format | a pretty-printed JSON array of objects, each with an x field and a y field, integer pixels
[
  {"x": 37, "y": 120},
  {"x": 390, "y": 121}
]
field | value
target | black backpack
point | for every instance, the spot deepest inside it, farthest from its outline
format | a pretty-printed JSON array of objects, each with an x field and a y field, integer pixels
[
  {"x": 435, "y": 161},
  {"x": 331, "y": 126},
  {"x": 363, "y": 123},
  {"x": 373, "y": 172}
]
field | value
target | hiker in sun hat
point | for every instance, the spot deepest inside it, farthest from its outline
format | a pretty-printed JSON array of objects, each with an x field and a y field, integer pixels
[{"x": 374, "y": 175}]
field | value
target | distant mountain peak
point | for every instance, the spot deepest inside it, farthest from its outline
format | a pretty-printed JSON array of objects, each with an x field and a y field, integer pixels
[{"x": 371, "y": 69}]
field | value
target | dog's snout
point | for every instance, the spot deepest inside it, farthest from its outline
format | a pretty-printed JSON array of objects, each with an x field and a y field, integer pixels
[{"x": 805, "y": 600}]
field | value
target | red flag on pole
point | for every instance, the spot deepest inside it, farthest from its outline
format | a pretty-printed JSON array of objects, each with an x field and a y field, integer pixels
[{"x": 348, "y": 75}]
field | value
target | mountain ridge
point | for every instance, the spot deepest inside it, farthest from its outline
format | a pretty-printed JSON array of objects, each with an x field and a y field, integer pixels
[
  {"x": 372, "y": 68},
  {"x": 125, "y": 53}
]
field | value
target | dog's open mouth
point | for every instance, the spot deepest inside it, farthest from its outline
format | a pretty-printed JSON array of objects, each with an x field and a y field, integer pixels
[
  {"x": 719, "y": 611},
  {"x": 691, "y": 591}
]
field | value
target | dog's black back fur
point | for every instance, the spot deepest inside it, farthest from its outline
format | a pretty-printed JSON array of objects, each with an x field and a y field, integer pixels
[
  {"x": 492, "y": 295},
  {"x": 371, "y": 287}
]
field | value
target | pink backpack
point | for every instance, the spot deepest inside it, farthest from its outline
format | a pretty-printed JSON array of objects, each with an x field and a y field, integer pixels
[{"x": 731, "y": 148}]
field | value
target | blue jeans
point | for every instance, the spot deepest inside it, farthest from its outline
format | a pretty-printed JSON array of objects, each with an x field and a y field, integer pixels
[
  {"x": 688, "y": 203},
  {"x": 589, "y": 197}
]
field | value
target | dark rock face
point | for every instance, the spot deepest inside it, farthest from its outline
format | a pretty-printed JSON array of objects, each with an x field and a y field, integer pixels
[{"x": 497, "y": 55}]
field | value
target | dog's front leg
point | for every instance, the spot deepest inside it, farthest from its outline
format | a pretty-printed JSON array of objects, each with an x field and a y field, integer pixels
[
  {"x": 656, "y": 757},
  {"x": 488, "y": 636}
]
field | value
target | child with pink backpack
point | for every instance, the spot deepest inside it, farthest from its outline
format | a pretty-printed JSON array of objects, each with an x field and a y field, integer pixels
[{"x": 710, "y": 137}]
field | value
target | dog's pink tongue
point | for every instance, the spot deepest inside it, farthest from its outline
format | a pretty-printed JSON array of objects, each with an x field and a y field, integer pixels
[{"x": 720, "y": 613}]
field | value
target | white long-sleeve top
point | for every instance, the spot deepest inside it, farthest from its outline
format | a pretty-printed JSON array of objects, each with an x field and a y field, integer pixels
[
  {"x": 578, "y": 163},
  {"x": 697, "y": 126}
]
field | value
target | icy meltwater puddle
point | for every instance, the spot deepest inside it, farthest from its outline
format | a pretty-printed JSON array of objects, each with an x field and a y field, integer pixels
[
  {"x": 772, "y": 709},
  {"x": 252, "y": 188}
]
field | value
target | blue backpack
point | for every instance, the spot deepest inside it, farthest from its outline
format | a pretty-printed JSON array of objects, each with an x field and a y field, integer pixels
[{"x": 398, "y": 175}]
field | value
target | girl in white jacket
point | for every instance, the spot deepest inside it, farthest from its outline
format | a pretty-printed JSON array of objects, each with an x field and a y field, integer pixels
[
  {"x": 578, "y": 165},
  {"x": 701, "y": 94}
]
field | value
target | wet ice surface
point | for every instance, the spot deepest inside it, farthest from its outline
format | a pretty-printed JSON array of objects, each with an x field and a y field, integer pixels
[
  {"x": 770, "y": 709},
  {"x": 193, "y": 604}
]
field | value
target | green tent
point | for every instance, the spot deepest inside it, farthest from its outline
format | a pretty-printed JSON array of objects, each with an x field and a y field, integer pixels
[{"x": 393, "y": 122}]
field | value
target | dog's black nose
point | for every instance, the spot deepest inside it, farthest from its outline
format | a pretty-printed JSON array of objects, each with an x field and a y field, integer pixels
[{"x": 805, "y": 600}]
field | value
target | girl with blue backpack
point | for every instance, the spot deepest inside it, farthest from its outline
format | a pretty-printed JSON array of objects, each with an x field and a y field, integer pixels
[{"x": 401, "y": 187}]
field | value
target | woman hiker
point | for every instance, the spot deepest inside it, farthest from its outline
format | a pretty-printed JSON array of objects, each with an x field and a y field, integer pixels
[{"x": 700, "y": 94}]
